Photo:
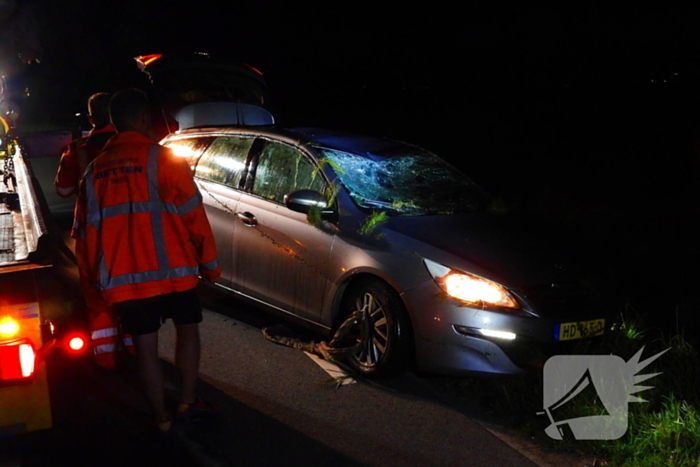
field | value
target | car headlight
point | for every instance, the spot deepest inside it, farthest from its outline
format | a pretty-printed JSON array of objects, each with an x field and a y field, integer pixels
[{"x": 470, "y": 288}]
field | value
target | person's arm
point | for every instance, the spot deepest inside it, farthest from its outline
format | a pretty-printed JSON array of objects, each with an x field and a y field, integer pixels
[
  {"x": 68, "y": 176},
  {"x": 80, "y": 233}
]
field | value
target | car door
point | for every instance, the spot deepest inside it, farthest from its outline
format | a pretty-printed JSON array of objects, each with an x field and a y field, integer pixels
[
  {"x": 219, "y": 172},
  {"x": 279, "y": 257}
]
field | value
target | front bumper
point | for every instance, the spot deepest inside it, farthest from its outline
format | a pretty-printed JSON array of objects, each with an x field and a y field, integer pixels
[{"x": 448, "y": 340}]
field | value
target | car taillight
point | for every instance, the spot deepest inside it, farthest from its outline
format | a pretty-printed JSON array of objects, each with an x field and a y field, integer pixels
[
  {"x": 146, "y": 60},
  {"x": 253, "y": 68},
  {"x": 17, "y": 360}
]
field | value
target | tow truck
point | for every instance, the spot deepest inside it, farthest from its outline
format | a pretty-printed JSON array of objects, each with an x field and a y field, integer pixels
[{"x": 27, "y": 334}]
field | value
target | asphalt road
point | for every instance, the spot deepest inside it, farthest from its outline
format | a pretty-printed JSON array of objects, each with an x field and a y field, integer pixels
[
  {"x": 280, "y": 407},
  {"x": 277, "y": 407}
]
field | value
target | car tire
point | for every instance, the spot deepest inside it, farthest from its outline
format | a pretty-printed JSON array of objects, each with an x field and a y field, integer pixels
[{"x": 387, "y": 351}]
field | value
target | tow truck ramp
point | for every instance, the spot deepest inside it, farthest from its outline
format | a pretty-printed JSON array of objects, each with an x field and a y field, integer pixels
[{"x": 22, "y": 226}]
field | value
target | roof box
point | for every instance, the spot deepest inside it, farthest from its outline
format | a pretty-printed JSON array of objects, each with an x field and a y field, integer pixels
[{"x": 222, "y": 113}]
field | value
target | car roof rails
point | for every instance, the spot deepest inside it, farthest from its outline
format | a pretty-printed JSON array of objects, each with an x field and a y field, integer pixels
[{"x": 222, "y": 113}]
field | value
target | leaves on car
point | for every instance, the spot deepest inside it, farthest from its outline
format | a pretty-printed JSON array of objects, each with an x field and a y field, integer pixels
[{"x": 372, "y": 222}]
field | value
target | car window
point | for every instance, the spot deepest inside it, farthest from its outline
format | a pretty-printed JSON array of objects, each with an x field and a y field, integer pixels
[
  {"x": 189, "y": 148},
  {"x": 224, "y": 160},
  {"x": 282, "y": 169}
]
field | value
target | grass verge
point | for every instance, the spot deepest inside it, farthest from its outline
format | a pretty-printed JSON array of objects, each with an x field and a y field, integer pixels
[{"x": 663, "y": 431}]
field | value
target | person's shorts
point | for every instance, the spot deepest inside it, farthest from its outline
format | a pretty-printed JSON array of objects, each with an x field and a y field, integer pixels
[{"x": 145, "y": 315}]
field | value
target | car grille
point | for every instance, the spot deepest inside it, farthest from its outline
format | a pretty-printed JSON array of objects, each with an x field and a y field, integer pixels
[{"x": 567, "y": 301}]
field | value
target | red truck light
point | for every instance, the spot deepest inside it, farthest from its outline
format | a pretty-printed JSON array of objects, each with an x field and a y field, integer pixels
[
  {"x": 76, "y": 343},
  {"x": 27, "y": 359},
  {"x": 17, "y": 360}
]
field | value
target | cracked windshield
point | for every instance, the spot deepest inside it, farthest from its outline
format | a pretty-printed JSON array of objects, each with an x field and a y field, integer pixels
[{"x": 407, "y": 185}]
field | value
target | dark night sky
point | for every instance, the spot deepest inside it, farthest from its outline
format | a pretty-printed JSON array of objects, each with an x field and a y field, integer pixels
[
  {"x": 552, "y": 108},
  {"x": 359, "y": 43},
  {"x": 488, "y": 72},
  {"x": 374, "y": 67},
  {"x": 533, "y": 81}
]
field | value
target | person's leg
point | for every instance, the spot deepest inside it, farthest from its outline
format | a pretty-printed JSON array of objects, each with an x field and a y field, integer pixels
[
  {"x": 187, "y": 354},
  {"x": 151, "y": 373}
]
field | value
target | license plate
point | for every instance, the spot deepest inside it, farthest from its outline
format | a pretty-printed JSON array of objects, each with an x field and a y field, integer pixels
[{"x": 579, "y": 330}]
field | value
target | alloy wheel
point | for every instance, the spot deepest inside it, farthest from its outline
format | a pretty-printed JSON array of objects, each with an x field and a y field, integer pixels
[{"x": 374, "y": 345}]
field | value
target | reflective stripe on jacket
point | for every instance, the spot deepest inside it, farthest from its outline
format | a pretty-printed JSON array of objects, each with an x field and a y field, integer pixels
[
  {"x": 140, "y": 226},
  {"x": 108, "y": 342}
]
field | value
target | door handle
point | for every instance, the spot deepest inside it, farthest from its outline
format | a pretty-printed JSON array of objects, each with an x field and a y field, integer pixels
[{"x": 247, "y": 218}]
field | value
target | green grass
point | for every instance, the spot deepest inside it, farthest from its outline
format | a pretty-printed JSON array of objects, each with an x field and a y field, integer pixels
[
  {"x": 664, "y": 431},
  {"x": 668, "y": 436}
]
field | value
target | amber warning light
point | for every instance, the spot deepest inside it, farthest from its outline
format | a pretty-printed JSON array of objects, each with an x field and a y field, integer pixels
[{"x": 8, "y": 329}]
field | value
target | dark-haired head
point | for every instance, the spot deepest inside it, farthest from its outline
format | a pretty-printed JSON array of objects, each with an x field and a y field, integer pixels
[{"x": 129, "y": 111}]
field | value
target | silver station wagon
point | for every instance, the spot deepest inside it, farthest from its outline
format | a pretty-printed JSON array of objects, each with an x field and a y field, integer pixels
[{"x": 317, "y": 224}]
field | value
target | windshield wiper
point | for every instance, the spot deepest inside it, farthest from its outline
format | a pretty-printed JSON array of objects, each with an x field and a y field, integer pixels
[
  {"x": 377, "y": 203},
  {"x": 403, "y": 208}
]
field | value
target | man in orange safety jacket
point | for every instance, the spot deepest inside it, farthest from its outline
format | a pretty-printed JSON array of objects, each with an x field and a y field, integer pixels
[
  {"x": 143, "y": 239},
  {"x": 81, "y": 151},
  {"x": 108, "y": 341}
]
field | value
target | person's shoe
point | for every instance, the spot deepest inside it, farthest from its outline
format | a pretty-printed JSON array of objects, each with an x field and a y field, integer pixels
[
  {"x": 197, "y": 410},
  {"x": 160, "y": 426},
  {"x": 164, "y": 426}
]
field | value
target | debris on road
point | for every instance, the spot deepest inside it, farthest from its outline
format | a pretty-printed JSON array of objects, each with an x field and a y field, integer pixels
[{"x": 333, "y": 350}]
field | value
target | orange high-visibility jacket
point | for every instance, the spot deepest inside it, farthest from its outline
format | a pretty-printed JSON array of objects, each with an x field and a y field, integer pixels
[
  {"x": 75, "y": 159},
  {"x": 140, "y": 225},
  {"x": 108, "y": 343}
]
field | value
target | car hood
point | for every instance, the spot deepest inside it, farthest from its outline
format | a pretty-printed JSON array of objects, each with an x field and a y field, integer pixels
[{"x": 514, "y": 250}]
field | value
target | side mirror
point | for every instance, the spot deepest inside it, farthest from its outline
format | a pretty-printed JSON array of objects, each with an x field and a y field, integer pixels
[{"x": 303, "y": 200}]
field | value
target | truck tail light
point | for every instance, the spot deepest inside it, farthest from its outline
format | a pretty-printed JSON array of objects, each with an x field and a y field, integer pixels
[
  {"x": 17, "y": 360},
  {"x": 27, "y": 358},
  {"x": 76, "y": 343}
]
